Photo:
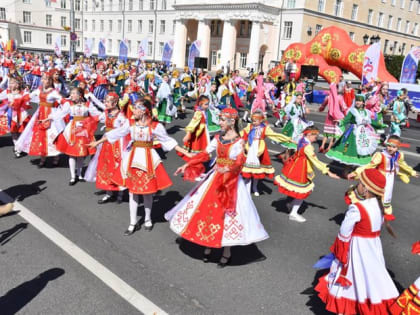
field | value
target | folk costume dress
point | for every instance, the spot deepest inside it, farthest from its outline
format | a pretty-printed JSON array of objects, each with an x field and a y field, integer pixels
[
  {"x": 142, "y": 169},
  {"x": 358, "y": 142},
  {"x": 296, "y": 123},
  {"x": 79, "y": 131},
  {"x": 100, "y": 85},
  {"x": 106, "y": 166},
  {"x": 219, "y": 211},
  {"x": 358, "y": 281},
  {"x": 258, "y": 162},
  {"x": 296, "y": 178},
  {"x": 38, "y": 138},
  {"x": 399, "y": 117},
  {"x": 13, "y": 112},
  {"x": 224, "y": 96},
  {"x": 197, "y": 127},
  {"x": 213, "y": 116},
  {"x": 166, "y": 109},
  {"x": 336, "y": 110}
]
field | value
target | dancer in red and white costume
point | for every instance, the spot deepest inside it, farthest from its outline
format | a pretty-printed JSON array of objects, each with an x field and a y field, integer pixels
[
  {"x": 42, "y": 130},
  {"x": 13, "y": 114},
  {"x": 358, "y": 281},
  {"x": 105, "y": 167},
  {"x": 78, "y": 133},
  {"x": 143, "y": 170},
  {"x": 219, "y": 211}
]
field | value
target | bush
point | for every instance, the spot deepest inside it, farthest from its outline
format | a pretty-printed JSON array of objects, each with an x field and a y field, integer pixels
[{"x": 394, "y": 64}]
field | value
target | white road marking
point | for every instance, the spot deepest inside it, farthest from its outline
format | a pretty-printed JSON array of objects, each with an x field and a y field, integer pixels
[{"x": 118, "y": 285}]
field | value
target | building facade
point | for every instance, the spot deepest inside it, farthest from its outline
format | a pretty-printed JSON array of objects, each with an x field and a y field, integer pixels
[{"x": 235, "y": 34}]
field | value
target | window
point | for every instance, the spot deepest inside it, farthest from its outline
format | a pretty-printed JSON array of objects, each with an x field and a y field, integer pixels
[
  {"x": 63, "y": 21},
  {"x": 109, "y": 46},
  {"x": 411, "y": 5},
  {"x": 213, "y": 58},
  {"x": 110, "y": 25},
  {"x": 101, "y": 25},
  {"x": 48, "y": 39},
  {"x": 110, "y": 5},
  {"x": 395, "y": 47},
  {"x": 63, "y": 40},
  {"x": 390, "y": 20},
  {"x": 129, "y": 46},
  {"x": 173, "y": 26},
  {"x": 291, "y": 4},
  {"x": 27, "y": 1},
  {"x": 161, "y": 44},
  {"x": 418, "y": 7},
  {"x": 288, "y": 25},
  {"x": 386, "y": 46},
  {"x": 380, "y": 19},
  {"x": 140, "y": 5},
  {"x": 149, "y": 48},
  {"x": 402, "y": 4},
  {"x": 2, "y": 13},
  {"x": 78, "y": 43},
  {"x": 351, "y": 34},
  {"x": 63, "y": 4},
  {"x": 163, "y": 5},
  {"x": 393, "y": 2},
  {"x": 93, "y": 25},
  {"x": 27, "y": 37},
  {"x": 86, "y": 5},
  {"x": 321, "y": 5},
  {"x": 242, "y": 60},
  {"x": 119, "y": 26},
  {"x": 129, "y": 26},
  {"x": 407, "y": 27},
  {"x": 77, "y": 5},
  {"x": 48, "y": 20},
  {"x": 77, "y": 24},
  {"x": 399, "y": 24},
  {"x": 152, "y": 4},
  {"x": 370, "y": 16},
  {"x": 86, "y": 25},
  {"x": 354, "y": 12},
  {"x": 318, "y": 28},
  {"x": 130, "y": 5},
  {"x": 26, "y": 17},
  {"x": 120, "y": 5},
  {"x": 48, "y": 3},
  {"x": 102, "y": 5},
  {"x": 162, "y": 26},
  {"x": 415, "y": 29},
  {"x": 338, "y": 7},
  {"x": 403, "y": 49},
  {"x": 150, "y": 26},
  {"x": 139, "y": 26}
]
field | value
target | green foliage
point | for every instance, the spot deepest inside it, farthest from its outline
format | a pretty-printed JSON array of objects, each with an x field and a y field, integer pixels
[{"x": 394, "y": 64}]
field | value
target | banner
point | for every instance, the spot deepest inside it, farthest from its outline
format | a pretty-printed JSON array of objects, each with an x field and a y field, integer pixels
[
  {"x": 123, "y": 51},
  {"x": 142, "y": 49},
  {"x": 409, "y": 67},
  {"x": 168, "y": 48},
  {"x": 101, "y": 49},
  {"x": 413, "y": 92},
  {"x": 194, "y": 52},
  {"x": 371, "y": 63},
  {"x": 11, "y": 45},
  {"x": 57, "y": 45},
  {"x": 88, "y": 47}
]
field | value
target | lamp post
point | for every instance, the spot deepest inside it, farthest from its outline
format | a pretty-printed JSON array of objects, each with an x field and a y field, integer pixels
[{"x": 365, "y": 39}]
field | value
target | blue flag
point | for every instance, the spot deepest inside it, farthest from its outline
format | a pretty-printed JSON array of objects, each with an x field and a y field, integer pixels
[
  {"x": 194, "y": 52},
  {"x": 167, "y": 53},
  {"x": 123, "y": 51},
  {"x": 409, "y": 70},
  {"x": 101, "y": 50}
]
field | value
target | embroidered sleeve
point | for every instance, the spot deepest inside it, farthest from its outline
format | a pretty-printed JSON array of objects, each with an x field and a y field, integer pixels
[
  {"x": 310, "y": 154},
  {"x": 195, "y": 122},
  {"x": 405, "y": 167},
  {"x": 374, "y": 162},
  {"x": 118, "y": 133},
  {"x": 167, "y": 142}
]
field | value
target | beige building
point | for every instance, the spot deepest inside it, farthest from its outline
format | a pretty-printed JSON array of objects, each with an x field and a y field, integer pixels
[{"x": 235, "y": 34}]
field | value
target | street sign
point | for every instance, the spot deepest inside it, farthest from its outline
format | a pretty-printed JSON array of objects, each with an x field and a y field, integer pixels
[{"x": 73, "y": 36}]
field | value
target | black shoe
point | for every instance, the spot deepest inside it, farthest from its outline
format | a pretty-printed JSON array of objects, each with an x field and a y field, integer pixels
[
  {"x": 99, "y": 192},
  {"x": 136, "y": 228},
  {"x": 148, "y": 228},
  {"x": 41, "y": 164},
  {"x": 223, "y": 262},
  {"x": 206, "y": 258},
  {"x": 106, "y": 199},
  {"x": 72, "y": 182},
  {"x": 81, "y": 179},
  {"x": 119, "y": 201}
]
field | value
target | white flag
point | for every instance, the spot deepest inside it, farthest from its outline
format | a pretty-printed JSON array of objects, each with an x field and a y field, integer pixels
[
  {"x": 88, "y": 47},
  {"x": 371, "y": 63},
  {"x": 57, "y": 46},
  {"x": 142, "y": 49}
]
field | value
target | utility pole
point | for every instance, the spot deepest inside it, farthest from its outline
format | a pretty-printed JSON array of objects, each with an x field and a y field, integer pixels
[
  {"x": 155, "y": 31},
  {"x": 72, "y": 42}
]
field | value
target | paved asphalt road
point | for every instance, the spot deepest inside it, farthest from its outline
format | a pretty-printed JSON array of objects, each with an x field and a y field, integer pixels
[{"x": 37, "y": 277}]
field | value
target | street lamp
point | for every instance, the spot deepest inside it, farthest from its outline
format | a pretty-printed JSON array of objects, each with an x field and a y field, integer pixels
[
  {"x": 309, "y": 31},
  {"x": 365, "y": 39}
]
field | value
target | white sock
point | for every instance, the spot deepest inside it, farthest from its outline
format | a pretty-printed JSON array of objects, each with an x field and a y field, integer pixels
[
  {"x": 148, "y": 203},
  {"x": 79, "y": 165},
  {"x": 133, "y": 205},
  {"x": 72, "y": 166},
  {"x": 296, "y": 203},
  {"x": 254, "y": 185}
]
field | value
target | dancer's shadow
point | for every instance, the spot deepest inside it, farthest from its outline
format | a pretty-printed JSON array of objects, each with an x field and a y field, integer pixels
[
  {"x": 263, "y": 187},
  {"x": 23, "y": 191},
  {"x": 338, "y": 218},
  {"x": 7, "y": 235},
  {"x": 315, "y": 304},
  {"x": 164, "y": 203},
  {"x": 174, "y": 129},
  {"x": 14, "y": 300},
  {"x": 417, "y": 168},
  {"x": 241, "y": 255},
  {"x": 6, "y": 141},
  {"x": 281, "y": 205},
  {"x": 340, "y": 169},
  {"x": 63, "y": 162},
  {"x": 13, "y": 212}
]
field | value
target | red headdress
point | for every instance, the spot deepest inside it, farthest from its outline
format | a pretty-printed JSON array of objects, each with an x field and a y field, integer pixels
[{"x": 229, "y": 113}]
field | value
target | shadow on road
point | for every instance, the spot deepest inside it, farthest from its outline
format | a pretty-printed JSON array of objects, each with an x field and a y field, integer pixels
[
  {"x": 23, "y": 191},
  {"x": 164, "y": 203},
  {"x": 7, "y": 235},
  {"x": 14, "y": 300},
  {"x": 338, "y": 218},
  {"x": 315, "y": 304},
  {"x": 13, "y": 212}
]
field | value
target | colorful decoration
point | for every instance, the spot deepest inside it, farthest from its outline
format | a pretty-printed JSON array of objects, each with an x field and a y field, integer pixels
[{"x": 331, "y": 50}]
